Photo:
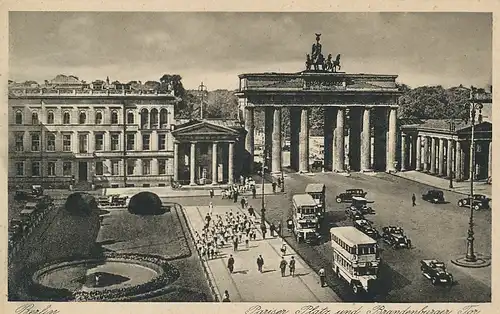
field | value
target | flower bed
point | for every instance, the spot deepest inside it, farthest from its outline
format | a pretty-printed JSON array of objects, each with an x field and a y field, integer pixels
[{"x": 159, "y": 284}]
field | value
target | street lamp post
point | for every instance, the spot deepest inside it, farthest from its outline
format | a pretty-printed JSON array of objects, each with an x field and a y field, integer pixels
[{"x": 202, "y": 89}]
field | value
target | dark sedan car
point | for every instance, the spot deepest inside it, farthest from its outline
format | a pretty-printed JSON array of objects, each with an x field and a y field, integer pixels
[
  {"x": 348, "y": 195},
  {"x": 364, "y": 226},
  {"x": 479, "y": 201},
  {"x": 435, "y": 271},
  {"x": 434, "y": 196}
]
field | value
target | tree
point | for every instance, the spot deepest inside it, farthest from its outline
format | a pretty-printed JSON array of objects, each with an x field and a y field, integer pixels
[{"x": 174, "y": 82}]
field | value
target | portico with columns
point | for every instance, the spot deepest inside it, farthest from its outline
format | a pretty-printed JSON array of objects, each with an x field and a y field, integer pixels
[
  {"x": 443, "y": 152},
  {"x": 205, "y": 152}
]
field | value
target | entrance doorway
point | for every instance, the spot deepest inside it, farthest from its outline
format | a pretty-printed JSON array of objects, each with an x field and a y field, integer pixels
[{"x": 82, "y": 171}]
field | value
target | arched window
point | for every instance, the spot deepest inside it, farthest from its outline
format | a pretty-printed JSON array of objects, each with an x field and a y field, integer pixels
[
  {"x": 19, "y": 117},
  {"x": 66, "y": 117},
  {"x": 144, "y": 118},
  {"x": 130, "y": 117},
  {"x": 154, "y": 117},
  {"x": 163, "y": 117},
  {"x": 50, "y": 117},
  {"x": 34, "y": 118},
  {"x": 98, "y": 117},
  {"x": 83, "y": 118},
  {"x": 114, "y": 117}
]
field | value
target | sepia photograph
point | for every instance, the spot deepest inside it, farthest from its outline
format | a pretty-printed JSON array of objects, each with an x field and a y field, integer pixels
[{"x": 249, "y": 157}]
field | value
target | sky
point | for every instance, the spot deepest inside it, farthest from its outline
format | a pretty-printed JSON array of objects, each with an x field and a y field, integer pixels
[{"x": 445, "y": 49}]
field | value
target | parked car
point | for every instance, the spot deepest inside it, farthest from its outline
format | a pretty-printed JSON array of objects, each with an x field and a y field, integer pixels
[
  {"x": 479, "y": 202},
  {"x": 364, "y": 226},
  {"x": 436, "y": 272},
  {"x": 37, "y": 190},
  {"x": 395, "y": 237},
  {"x": 434, "y": 196},
  {"x": 354, "y": 214},
  {"x": 348, "y": 194},
  {"x": 360, "y": 203}
]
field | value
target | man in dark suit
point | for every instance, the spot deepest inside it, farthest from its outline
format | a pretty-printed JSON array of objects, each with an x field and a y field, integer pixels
[
  {"x": 230, "y": 263},
  {"x": 260, "y": 263}
]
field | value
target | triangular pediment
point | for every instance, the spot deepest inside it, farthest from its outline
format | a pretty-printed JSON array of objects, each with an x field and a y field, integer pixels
[{"x": 194, "y": 128}]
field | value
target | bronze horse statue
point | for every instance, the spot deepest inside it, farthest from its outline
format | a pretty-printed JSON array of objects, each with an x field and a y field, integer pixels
[
  {"x": 332, "y": 65},
  {"x": 336, "y": 64}
]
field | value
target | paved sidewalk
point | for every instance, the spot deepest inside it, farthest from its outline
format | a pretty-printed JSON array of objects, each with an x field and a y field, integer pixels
[
  {"x": 246, "y": 284},
  {"x": 459, "y": 187}
]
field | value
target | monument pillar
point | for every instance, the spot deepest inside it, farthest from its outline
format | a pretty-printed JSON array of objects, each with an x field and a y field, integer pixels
[
  {"x": 328, "y": 127},
  {"x": 192, "y": 164},
  {"x": 449, "y": 160},
  {"x": 441, "y": 157},
  {"x": 380, "y": 138},
  {"x": 277, "y": 144},
  {"x": 403, "y": 152},
  {"x": 304, "y": 141},
  {"x": 250, "y": 137},
  {"x": 418, "y": 154},
  {"x": 294, "y": 138},
  {"x": 433, "y": 155},
  {"x": 230, "y": 164},
  {"x": 392, "y": 138},
  {"x": 176, "y": 162},
  {"x": 366, "y": 141},
  {"x": 214, "y": 163},
  {"x": 458, "y": 161},
  {"x": 268, "y": 131},
  {"x": 355, "y": 138},
  {"x": 339, "y": 140},
  {"x": 426, "y": 154}
]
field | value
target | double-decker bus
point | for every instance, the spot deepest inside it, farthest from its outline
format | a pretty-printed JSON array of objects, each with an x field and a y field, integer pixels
[
  {"x": 317, "y": 191},
  {"x": 305, "y": 221},
  {"x": 356, "y": 258}
]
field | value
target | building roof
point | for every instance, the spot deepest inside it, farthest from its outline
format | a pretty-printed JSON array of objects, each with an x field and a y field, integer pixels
[{"x": 352, "y": 236}]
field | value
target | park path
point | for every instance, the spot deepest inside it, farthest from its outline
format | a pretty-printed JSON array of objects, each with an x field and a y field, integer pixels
[{"x": 246, "y": 284}]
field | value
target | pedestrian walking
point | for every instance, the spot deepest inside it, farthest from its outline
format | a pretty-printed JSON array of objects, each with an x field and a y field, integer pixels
[
  {"x": 254, "y": 192},
  {"x": 283, "y": 249},
  {"x": 272, "y": 228},
  {"x": 210, "y": 208},
  {"x": 322, "y": 276},
  {"x": 413, "y": 200},
  {"x": 283, "y": 265},
  {"x": 274, "y": 187},
  {"x": 278, "y": 229},
  {"x": 212, "y": 193},
  {"x": 242, "y": 202},
  {"x": 225, "y": 297},
  {"x": 235, "y": 243},
  {"x": 251, "y": 211},
  {"x": 230, "y": 263},
  {"x": 260, "y": 263},
  {"x": 246, "y": 240},
  {"x": 291, "y": 266},
  {"x": 264, "y": 230},
  {"x": 279, "y": 182}
]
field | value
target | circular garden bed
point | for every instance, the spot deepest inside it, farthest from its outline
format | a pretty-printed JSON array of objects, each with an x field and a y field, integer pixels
[{"x": 112, "y": 277}]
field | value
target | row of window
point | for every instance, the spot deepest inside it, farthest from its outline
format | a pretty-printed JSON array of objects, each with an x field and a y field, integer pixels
[
  {"x": 356, "y": 271},
  {"x": 362, "y": 249},
  {"x": 83, "y": 142},
  {"x": 100, "y": 168},
  {"x": 146, "y": 117}
]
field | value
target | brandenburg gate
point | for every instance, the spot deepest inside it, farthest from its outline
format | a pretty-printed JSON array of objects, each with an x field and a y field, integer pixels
[{"x": 360, "y": 112}]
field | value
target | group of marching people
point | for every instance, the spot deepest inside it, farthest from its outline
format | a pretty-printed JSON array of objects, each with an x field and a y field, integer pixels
[{"x": 226, "y": 229}]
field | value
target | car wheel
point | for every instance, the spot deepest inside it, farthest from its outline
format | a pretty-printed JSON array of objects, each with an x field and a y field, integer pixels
[
  {"x": 477, "y": 207},
  {"x": 433, "y": 280},
  {"x": 355, "y": 289},
  {"x": 460, "y": 203},
  {"x": 339, "y": 200}
]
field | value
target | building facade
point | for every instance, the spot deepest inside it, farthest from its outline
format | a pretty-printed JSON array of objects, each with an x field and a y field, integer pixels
[
  {"x": 109, "y": 137},
  {"x": 433, "y": 147}
]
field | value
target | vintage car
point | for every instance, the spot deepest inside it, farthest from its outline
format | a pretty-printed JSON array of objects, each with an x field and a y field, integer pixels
[
  {"x": 434, "y": 196},
  {"x": 37, "y": 190},
  {"x": 365, "y": 226},
  {"x": 354, "y": 214},
  {"x": 479, "y": 201},
  {"x": 348, "y": 194},
  {"x": 360, "y": 203},
  {"x": 16, "y": 229},
  {"x": 395, "y": 237},
  {"x": 435, "y": 271}
]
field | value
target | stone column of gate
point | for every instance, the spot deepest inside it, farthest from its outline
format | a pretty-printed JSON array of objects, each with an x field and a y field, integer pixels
[
  {"x": 192, "y": 164},
  {"x": 366, "y": 141},
  {"x": 294, "y": 138},
  {"x": 230, "y": 165},
  {"x": 490, "y": 155},
  {"x": 418, "y": 152},
  {"x": 214, "y": 163},
  {"x": 391, "y": 140},
  {"x": 339, "y": 141},
  {"x": 449, "y": 160},
  {"x": 328, "y": 127},
  {"x": 250, "y": 137},
  {"x": 433, "y": 155},
  {"x": 277, "y": 144},
  {"x": 409, "y": 164},
  {"x": 458, "y": 161},
  {"x": 425, "y": 154},
  {"x": 403, "y": 152},
  {"x": 441, "y": 157},
  {"x": 176, "y": 162},
  {"x": 304, "y": 141},
  {"x": 268, "y": 129},
  {"x": 355, "y": 130}
]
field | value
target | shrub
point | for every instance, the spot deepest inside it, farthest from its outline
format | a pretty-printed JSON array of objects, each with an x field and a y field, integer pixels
[
  {"x": 80, "y": 203},
  {"x": 145, "y": 203}
]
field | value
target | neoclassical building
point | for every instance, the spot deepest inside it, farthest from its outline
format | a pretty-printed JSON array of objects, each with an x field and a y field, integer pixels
[
  {"x": 109, "y": 136},
  {"x": 433, "y": 147}
]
